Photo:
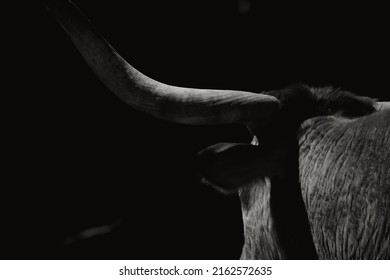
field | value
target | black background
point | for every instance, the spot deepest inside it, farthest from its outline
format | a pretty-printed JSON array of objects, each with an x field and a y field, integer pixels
[{"x": 76, "y": 157}]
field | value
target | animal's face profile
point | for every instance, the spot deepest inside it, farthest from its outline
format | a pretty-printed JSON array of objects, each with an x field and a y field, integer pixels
[
  {"x": 271, "y": 173},
  {"x": 273, "y": 143}
]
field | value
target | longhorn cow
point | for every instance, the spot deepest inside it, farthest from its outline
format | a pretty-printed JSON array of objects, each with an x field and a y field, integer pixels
[{"x": 315, "y": 180}]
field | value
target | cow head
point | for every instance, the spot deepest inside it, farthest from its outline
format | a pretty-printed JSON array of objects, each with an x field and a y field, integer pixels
[
  {"x": 266, "y": 171},
  {"x": 229, "y": 166}
]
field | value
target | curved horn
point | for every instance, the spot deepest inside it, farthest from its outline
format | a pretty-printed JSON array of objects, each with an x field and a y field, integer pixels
[
  {"x": 382, "y": 105},
  {"x": 177, "y": 104}
]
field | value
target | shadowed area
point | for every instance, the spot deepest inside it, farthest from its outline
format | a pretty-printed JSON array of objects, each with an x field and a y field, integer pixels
[{"x": 78, "y": 158}]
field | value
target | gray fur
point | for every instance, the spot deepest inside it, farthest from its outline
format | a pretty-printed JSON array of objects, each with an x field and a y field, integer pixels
[
  {"x": 345, "y": 181},
  {"x": 343, "y": 150}
]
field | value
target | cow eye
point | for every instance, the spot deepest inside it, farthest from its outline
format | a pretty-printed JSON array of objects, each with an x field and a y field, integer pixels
[{"x": 330, "y": 110}]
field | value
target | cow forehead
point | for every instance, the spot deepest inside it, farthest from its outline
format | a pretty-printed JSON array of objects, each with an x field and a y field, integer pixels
[
  {"x": 379, "y": 120},
  {"x": 345, "y": 170},
  {"x": 355, "y": 142},
  {"x": 299, "y": 103}
]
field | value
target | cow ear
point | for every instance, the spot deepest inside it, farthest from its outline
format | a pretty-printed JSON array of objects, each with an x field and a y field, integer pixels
[{"x": 228, "y": 166}]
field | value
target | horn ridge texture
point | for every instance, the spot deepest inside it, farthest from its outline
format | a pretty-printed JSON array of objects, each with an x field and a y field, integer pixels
[{"x": 171, "y": 103}]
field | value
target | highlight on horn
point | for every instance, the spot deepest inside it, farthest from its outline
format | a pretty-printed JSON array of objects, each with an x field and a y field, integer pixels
[{"x": 176, "y": 104}]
